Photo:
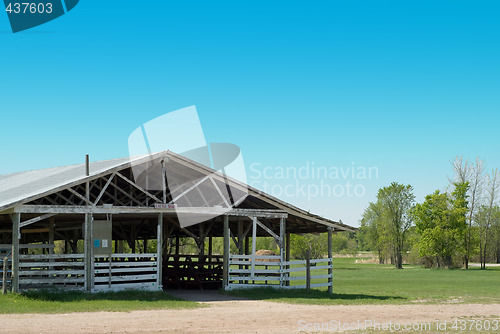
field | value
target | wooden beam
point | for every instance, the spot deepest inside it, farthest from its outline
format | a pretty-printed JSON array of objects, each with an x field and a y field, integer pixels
[
  {"x": 139, "y": 188},
  {"x": 196, "y": 184},
  {"x": 330, "y": 255},
  {"x": 36, "y": 219},
  {"x": 268, "y": 230},
  {"x": 264, "y": 213},
  {"x": 220, "y": 193},
  {"x": 287, "y": 253},
  {"x": 225, "y": 266},
  {"x": 282, "y": 249},
  {"x": 87, "y": 195},
  {"x": 16, "y": 235},
  {"x": 103, "y": 190},
  {"x": 159, "y": 250},
  {"x": 89, "y": 252},
  {"x": 254, "y": 245},
  {"x": 51, "y": 235}
]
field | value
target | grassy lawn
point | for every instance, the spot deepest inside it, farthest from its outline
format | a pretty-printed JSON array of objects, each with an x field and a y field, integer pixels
[
  {"x": 355, "y": 283},
  {"x": 46, "y": 301}
]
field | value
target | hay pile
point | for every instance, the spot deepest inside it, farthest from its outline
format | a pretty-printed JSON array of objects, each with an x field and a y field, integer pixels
[{"x": 265, "y": 252}]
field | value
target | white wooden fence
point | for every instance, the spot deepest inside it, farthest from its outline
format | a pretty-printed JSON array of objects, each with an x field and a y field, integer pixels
[
  {"x": 126, "y": 271},
  {"x": 261, "y": 271},
  {"x": 51, "y": 270},
  {"x": 300, "y": 266}
]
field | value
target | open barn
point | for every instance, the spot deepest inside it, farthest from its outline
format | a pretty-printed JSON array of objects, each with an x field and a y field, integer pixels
[{"x": 68, "y": 227}]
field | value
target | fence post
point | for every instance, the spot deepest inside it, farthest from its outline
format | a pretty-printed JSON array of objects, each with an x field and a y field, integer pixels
[
  {"x": 308, "y": 270},
  {"x": 4, "y": 278},
  {"x": 330, "y": 256},
  {"x": 225, "y": 266}
]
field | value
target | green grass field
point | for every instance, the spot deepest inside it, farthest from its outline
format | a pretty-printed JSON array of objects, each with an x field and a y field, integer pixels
[
  {"x": 46, "y": 301},
  {"x": 356, "y": 283}
]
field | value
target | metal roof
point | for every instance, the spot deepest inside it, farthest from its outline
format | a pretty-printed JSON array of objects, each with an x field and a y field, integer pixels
[
  {"x": 22, "y": 187},
  {"x": 18, "y": 187}
]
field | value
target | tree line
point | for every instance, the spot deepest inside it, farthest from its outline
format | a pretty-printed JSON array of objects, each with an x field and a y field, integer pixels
[{"x": 448, "y": 229}]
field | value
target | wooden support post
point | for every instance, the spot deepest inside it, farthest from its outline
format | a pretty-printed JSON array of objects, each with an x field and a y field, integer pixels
[
  {"x": 201, "y": 243},
  {"x": 254, "y": 246},
  {"x": 177, "y": 246},
  {"x": 89, "y": 252},
  {"x": 16, "y": 235},
  {"x": 4, "y": 275},
  {"x": 159, "y": 250},
  {"x": 247, "y": 250},
  {"x": 210, "y": 252},
  {"x": 225, "y": 268},
  {"x": 308, "y": 270},
  {"x": 287, "y": 253},
  {"x": 283, "y": 246},
  {"x": 247, "y": 245},
  {"x": 330, "y": 256},
  {"x": 51, "y": 234},
  {"x": 240, "y": 242}
]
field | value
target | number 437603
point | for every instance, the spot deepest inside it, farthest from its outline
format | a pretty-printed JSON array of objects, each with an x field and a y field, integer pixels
[{"x": 29, "y": 8}]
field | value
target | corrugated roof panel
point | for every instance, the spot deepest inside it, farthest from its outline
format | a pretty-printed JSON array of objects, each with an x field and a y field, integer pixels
[{"x": 19, "y": 186}]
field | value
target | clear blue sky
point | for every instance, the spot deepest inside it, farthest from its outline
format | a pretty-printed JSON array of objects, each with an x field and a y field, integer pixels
[{"x": 403, "y": 86}]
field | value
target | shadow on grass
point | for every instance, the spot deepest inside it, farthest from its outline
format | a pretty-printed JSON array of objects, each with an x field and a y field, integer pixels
[
  {"x": 271, "y": 293},
  {"x": 53, "y": 295}
]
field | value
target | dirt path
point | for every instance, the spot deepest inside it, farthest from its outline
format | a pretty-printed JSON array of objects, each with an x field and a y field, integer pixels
[{"x": 226, "y": 315}]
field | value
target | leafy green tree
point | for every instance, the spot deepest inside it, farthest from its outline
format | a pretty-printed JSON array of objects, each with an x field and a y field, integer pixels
[
  {"x": 441, "y": 223},
  {"x": 396, "y": 202},
  {"x": 375, "y": 236},
  {"x": 317, "y": 244}
]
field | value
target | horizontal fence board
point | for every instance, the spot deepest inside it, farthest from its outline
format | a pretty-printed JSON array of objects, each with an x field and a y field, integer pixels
[
  {"x": 51, "y": 280},
  {"x": 256, "y": 278},
  {"x": 295, "y": 262},
  {"x": 257, "y": 263},
  {"x": 127, "y": 278},
  {"x": 124, "y": 264},
  {"x": 51, "y": 272},
  {"x": 126, "y": 255},
  {"x": 303, "y": 262},
  {"x": 291, "y": 270},
  {"x": 295, "y": 278},
  {"x": 321, "y": 267},
  {"x": 36, "y": 246},
  {"x": 50, "y": 256},
  {"x": 257, "y": 257},
  {"x": 124, "y": 270},
  {"x": 321, "y": 260},
  {"x": 51, "y": 264},
  {"x": 256, "y": 271}
]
